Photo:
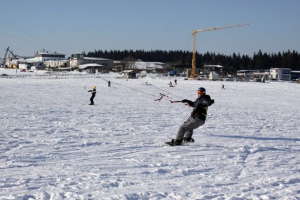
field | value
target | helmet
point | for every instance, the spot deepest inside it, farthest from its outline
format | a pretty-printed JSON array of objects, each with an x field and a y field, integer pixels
[
  {"x": 201, "y": 90},
  {"x": 94, "y": 87}
]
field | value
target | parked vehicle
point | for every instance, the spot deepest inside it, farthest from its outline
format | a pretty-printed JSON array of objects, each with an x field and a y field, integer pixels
[{"x": 171, "y": 73}]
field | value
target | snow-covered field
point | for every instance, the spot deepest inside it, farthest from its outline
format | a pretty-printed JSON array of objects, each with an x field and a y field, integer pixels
[{"x": 55, "y": 146}]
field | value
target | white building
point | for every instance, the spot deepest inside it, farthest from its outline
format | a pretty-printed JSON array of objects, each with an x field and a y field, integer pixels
[
  {"x": 148, "y": 65},
  {"x": 283, "y": 74},
  {"x": 56, "y": 63},
  {"x": 45, "y": 56},
  {"x": 139, "y": 65},
  {"x": 258, "y": 75},
  {"x": 245, "y": 73},
  {"x": 91, "y": 68},
  {"x": 207, "y": 69},
  {"x": 80, "y": 59},
  {"x": 43, "y": 60},
  {"x": 213, "y": 76}
]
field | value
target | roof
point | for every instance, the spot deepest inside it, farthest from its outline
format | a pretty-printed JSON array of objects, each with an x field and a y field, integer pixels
[
  {"x": 48, "y": 53},
  {"x": 65, "y": 68},
  {"x": 127, "y": 71},
  {"x": 280, "y": 68},
  {"x": 57, "y": 61},
  {"x": 91, "y": 58},
  {"x": 148, "y": 65},
  {"x": 84, "y": 66},
  {"x": 218, "y": 66}
]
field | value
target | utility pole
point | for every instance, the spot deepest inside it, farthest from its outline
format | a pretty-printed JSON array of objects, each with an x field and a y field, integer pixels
[{"x": 194, "y": 42}]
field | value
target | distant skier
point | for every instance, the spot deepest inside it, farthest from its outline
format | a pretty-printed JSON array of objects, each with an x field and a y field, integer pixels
[
  {"x": 175, "y": 81},
  {"x": 223, "y": 87},
  {"x": 197, "y": 118},
  {"x": 108, "y": 83},
  {"x": 93, "y": 95}
]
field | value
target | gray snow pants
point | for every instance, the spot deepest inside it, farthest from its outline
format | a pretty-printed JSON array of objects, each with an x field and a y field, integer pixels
[{"x": 186, "y": 129}]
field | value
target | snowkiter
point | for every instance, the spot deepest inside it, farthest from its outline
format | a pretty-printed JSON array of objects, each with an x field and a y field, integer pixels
[
  {"x": 93, "y": 95},
  {"x": 197, "y": 118}
]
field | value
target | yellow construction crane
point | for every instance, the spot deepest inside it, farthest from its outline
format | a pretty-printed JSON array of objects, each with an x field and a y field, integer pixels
[{"x": 194, "y": 43}]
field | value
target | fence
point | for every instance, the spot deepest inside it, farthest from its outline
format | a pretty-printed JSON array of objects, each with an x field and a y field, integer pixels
[{"x": 55, "y": 76}]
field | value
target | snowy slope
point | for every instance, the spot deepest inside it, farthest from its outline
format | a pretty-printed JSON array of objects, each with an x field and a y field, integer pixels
[{"x": 55, "y": 146}]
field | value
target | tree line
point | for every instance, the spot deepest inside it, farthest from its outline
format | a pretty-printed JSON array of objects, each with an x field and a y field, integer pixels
[{"x": 232, "y": 63}]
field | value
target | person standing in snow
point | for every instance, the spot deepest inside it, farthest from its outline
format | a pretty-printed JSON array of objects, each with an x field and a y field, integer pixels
[
  {"x": 197, "y": 118},
  {"x": 175, "y": 81},
  {"x": 93, "y": 95},
  {"x": 223, "y": 87},
  {"x": 108, "y": 83}
]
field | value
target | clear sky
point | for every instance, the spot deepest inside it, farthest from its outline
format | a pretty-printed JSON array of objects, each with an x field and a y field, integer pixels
[{"x": 70, "y": 26}]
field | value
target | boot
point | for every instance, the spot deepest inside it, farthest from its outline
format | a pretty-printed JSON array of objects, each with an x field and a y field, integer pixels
[
  {"x": 188, "y": 139},
  {"x": 176, "y": 142}
]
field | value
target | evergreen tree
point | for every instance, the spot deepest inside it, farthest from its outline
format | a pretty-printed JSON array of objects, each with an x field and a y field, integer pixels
[{"x": 231, "y": 63}]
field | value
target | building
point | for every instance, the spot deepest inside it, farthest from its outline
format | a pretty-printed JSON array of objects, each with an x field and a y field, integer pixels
[
  {"x": 207, "y": 69},
  {"x": 213, "y": 76},
  {"x": 245, "y": 73},
  {"x": 203, "y": 70},
  {"x": 148, "y": 66},
  {"x": 44, "y": 60},
  {"x": 139, "y": 65},
  {"x": 11, "y": 62},
  {"x": 91, "y": 68},
  {"x": 56, "y": 63},
  {"x": 129, "y": 73},
  {"x": 282, "y": 74},
  {"x": 46, "y": 56},
  {"x": 295, "y": 75},
  {"x": 80, "y": 59},
  {"x": 258, "y": 75},
  {"x": 41, "y": 60}
]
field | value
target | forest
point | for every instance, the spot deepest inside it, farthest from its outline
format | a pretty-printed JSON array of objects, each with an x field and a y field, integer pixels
[{"x": 232, "y": 63}]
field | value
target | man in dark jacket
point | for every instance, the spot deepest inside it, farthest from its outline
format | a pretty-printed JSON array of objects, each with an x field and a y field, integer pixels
[
  {"x": 93, "y": 95},
  {"x": 197, "y": 118}
]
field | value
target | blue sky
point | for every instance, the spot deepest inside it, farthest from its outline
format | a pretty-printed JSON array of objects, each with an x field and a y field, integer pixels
[{"x": 70, "y": 26}]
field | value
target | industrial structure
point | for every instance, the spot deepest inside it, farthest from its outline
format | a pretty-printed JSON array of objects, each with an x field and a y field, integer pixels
[{"x": 194, "y": 43}]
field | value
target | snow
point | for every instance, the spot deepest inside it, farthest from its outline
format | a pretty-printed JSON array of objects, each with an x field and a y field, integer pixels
[{"x": 55, "y": 146}]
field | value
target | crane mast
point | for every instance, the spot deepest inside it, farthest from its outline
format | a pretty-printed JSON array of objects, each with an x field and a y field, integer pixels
[
  {"x": 194, "y": 32},
  {"x": 8, "y": 50},
  {"x": 5, "y": 55}
]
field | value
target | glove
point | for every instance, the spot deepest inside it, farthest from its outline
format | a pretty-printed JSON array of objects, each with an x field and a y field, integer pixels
[{"x": 184, "y": 101}]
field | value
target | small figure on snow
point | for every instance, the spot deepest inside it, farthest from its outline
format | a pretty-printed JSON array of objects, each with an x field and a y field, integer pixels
[
  {"x": 223, "y": 87},
  {"x": 175, "y": 81},
  {"x": 93, "y": 95},
  {"x": 108, "y": 83},
  {"x": 170, "y": 84},
  {"x": 197, "y": 118}
]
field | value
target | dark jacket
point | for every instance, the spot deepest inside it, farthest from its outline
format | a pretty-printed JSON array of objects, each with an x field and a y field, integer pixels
[
  {"x": 93, "y": 92},
  {"x": 200, "y": 106}
]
